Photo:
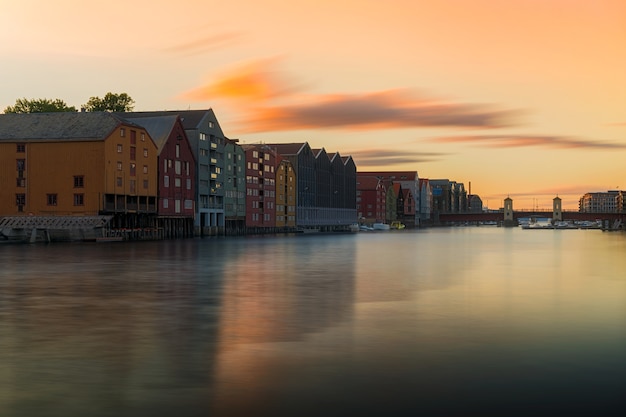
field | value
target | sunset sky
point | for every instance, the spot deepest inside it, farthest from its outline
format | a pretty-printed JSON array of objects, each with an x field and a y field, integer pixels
[{"x": 525, "y": 98}]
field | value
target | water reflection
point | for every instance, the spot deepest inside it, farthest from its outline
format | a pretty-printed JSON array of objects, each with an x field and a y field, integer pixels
[{"x": 467, "y": 321}]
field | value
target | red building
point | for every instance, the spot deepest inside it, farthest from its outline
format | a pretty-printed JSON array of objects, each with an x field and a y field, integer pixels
[
  {"x": 261, "y": 162},
  {"x": 371, "y": 199},
  {"x": 176, "y": 174}
]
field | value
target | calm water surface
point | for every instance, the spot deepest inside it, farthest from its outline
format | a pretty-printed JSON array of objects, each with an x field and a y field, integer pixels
[{"x": 440, "y": 322}]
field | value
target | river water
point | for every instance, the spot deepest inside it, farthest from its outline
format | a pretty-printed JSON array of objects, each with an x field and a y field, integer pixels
[{"x": 469, "y": 321}]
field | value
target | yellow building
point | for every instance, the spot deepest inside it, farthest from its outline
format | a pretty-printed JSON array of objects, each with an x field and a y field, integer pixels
[
  {"x": 285, "y": 194},
  {"x": 76, "y": 164}
]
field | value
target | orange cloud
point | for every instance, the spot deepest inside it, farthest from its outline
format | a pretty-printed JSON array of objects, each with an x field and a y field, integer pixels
[
  {"x": 512, "y": 141},
  {"x": 267, "y": 101},
  {"x": 250, "y": 84}
]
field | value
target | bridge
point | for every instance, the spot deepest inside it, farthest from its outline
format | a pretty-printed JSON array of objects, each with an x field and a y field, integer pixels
[{"x": 498, "y": 216}]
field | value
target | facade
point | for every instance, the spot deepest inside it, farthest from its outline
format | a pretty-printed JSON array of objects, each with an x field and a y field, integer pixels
[
  {"x": 409, "y": 181},
  {"x": 261, "y": 161},
  {"x": 176, "y": 174},
  {"x": 448, "y": 196},
  {"x": 207, "y": 142},
  {"x": 474, "y": 203},
  {"x": 234, "y": 187},
  {"x": 425, "y": 201},
  {"x": 602, "y": 202},
  {"x": 371, "y": 199},
  {"x": 325, "y": 199},
  {"x": 78, "y": 164},
  {"x": 285, "y": 195}
]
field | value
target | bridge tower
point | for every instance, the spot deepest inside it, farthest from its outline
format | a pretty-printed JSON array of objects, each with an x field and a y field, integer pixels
[
  {"x": 557, "y": 211},
  {"x": 509, "y": 221}
]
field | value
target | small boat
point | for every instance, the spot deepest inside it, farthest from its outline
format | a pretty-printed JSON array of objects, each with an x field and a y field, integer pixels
[
  {"x": 397, "y": 225},
  {"x": 381, "y": 226},
  {"x": 365, "y": 228}
]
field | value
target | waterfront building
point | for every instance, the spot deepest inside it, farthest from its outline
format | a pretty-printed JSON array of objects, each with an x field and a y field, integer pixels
[
  {"x": 207, "y": 142},
  {"x": 285, "y": 195},
  {"x": 474, "y": 203},
  {"x": 406, "y": 204},
  {"x": 425, "y": 201},
  {"x": 448, "y": 196},
  {"x": 176, "y": 174},
  {"x": 371, "y": 199},
  {"x": 78, "y": 164},
  {"x": 335, "y": 207},
  {"x": 409, "y": 181},
  {"x": 602, "y": 202},
  {"x": 261, "y": 161},
  {"x": 394, "y": 203},
  {"x": 234, "y": 187}
]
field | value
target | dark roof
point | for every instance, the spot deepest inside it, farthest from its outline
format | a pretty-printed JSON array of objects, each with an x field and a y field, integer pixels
[
  {"x": 367, "y": 182},
  {"x": 59, "y": 126},
  {"x": 159, "y": 128},
  {"x": 191, "y": 119},
  {"x": 288, "y": 148}
]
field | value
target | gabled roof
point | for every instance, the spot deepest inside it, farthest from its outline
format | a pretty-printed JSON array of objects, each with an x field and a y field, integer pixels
[
  {"x": 367, "y": 182},
  {"x": 288, "y": 148},
  {"x": 64, "y": 126},
  {"x": 191, "y": 119},
  {"x": 159, "y": 128}
]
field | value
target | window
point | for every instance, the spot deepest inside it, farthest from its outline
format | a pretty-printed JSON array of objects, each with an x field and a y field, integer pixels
[
  {"x": 20, "y": 164},
  {"x": 20, "y": 201},
  {"x": 143, "y": 137},
  {"x": 188, "y": 204},
  {"x": 166, "y": 203},
  {"x": 119, "y": 181},
  {"x": 119, "y": 165},
  {"x": 177, "y": 150},
  {"x": 145, "y": 152},
  {"x": 133, "y": 186},
  {"x": 255, "y": 154},
  {"x": 189, "y": 183},
  {"x": 79, "y": 199},
  {"x": 122, "y": 132},
  {"x": 79, "y": 181},
  {"x": 202, "y": 136},
  {"x": 21, "y": 182},
  {"x": 120, "y": 148},
  {"x": 133, "y": 153},
  {"x": 51, "y": 199},
  {"x": 166, "y": 181},
  {"x": 145, "y": 184},
  {"x": 177, "y": 182},
  {"x": 177, "y": 167},
  {"x": 133, "y": 137},
  {"x": 133, "y": 168},
  {"x": 211, "y": 124},
  {"x": 21, "y": 148},
  {"x": 145, "y": 169},
  {"x": 177, "y": 206}
]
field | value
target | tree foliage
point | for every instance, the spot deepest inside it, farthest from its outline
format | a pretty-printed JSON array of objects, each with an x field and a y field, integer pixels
[
  {"x": 111, "y": 102},
  {"x": 41, "y": 105}
]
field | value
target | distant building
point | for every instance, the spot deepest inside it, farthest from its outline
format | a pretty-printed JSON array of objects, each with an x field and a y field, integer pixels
[
  {"x": 285, "y": 195},
  {"x": 260, "y": 187},
  {"x": 602, "y": 202},
  {"x": 409, "y": 181},
  {"x": 474, "y": 203},
  {"x": 371, "y": 199}
]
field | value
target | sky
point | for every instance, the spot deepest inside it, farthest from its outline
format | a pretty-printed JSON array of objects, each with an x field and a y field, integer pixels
[{"x": 519, "y": 98}]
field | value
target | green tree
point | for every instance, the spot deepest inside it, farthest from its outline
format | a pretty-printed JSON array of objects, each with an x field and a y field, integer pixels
[
  {"x": 111, "y": 102},
  {"x": 42, "y": 105}
]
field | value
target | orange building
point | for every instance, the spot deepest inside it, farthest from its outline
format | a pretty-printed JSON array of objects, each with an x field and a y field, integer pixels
[
  {"x": 77, "y": 164},
  {"x": 285, "y": 194}
]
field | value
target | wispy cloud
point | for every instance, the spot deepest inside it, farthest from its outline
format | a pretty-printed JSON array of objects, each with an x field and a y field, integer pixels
[
  {"x": 268, "y": 100},
  {"x": 207, "y": 43},
  {"x": 390, "y": 158},
  {"x": 515, "y": 141}
]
